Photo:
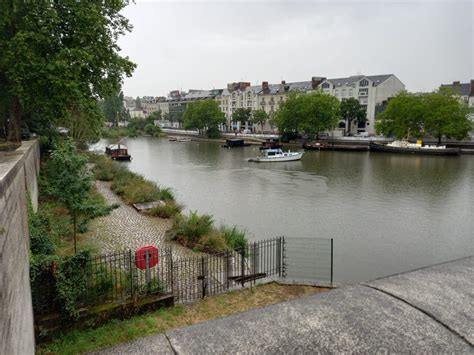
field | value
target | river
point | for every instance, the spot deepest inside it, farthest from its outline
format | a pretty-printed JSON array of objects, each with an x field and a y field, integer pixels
[{"x": 387, "y": 213}]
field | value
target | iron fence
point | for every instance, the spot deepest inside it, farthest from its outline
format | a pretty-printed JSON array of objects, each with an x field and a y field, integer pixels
[{"x": 117, "y": 277}]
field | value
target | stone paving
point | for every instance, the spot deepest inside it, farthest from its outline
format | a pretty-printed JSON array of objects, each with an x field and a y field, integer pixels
[{"x": 125, "y": 228}]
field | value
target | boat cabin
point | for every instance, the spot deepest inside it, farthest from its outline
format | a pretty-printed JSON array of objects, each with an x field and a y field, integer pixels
[
  {"x": 117, "y": 152},
  {"x": 234, "y": 143},
  {"x": 272, "y": 152}
]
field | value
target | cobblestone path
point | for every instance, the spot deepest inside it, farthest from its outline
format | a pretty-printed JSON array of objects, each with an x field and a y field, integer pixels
[{"x": 125, "y": 228}]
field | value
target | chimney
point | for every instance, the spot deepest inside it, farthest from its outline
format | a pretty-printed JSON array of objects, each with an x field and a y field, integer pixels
[
  {"x": 283, "y": 82},
  {"x": 315, "y": 81},
  {"x": 265, "y": 85},
  {"x": 243, "y": 85},
  {"x": 471, "y": 91}
]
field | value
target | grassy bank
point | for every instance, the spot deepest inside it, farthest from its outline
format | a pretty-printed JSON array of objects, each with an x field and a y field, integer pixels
[
  {"x": 164, "y": 320},
  {"x": 194, "y": 231}
]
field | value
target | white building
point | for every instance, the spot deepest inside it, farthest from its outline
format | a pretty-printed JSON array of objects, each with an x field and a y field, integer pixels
[{"x": 372, "y": 92}]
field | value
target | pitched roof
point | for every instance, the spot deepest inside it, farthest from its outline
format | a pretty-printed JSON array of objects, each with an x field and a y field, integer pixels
[
  {"x": 462, "y": 89},
  {"x": 376, "y": 79}
]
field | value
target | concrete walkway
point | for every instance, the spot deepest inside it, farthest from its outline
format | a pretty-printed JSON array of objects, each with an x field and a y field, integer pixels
[{"x": 429, "y": 310}]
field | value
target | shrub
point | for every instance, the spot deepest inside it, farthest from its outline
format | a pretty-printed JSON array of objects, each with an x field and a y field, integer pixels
[
  {"x": 168, "y": 210},
  {"x": 166, "y": 194},
  {"x": 192, "y": 227},
  {"x": 214, "y": 242},
  {"x": 39, "y": 228},
  {"x": 234, "y": 237}
]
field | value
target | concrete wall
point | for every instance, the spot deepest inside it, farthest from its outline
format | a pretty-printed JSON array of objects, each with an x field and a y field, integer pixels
[{"x": 18, "y": 175}]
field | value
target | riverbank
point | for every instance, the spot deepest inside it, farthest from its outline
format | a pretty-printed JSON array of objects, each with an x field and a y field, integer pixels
[{"x": 163, "y": 320}]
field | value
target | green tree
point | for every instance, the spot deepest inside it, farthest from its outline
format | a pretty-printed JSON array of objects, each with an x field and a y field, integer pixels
[
  {"x": 152, "y": 130},
  {"x": 307, "y": 113},
  {"x": 57, "y": 57},
  {"x": 203, "y": 115},
  {"x": 439, "y": 114},
  {"x": 446, "y": 115},
  {"x": 259, "y": 117},
  {"x": 70, "y": 182},
  {"x": 403, "y": 116},
  {"x": 242, "y": 115},
  {"x": 138, "y": 103},
  {"x": 113, "y": 108},
  {"x": 352, "y": 111}
]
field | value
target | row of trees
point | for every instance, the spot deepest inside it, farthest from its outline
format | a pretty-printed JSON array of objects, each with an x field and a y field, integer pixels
[
  {"x": 437, "y": 114},
  {"x": 57, "y": 58},
  {"x": 308, "y": 113}
]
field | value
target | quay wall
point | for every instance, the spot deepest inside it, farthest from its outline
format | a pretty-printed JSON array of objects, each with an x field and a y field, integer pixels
[{"x": 18, "y": 179}]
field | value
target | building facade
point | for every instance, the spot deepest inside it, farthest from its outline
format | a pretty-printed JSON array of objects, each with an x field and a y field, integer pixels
[{"x": 372, "y": 91}]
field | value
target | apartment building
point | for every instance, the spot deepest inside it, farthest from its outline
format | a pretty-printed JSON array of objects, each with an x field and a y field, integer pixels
[{"x": 372, "y": 91}]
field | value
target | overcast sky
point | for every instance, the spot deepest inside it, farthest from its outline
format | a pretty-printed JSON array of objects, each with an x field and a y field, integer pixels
[{"x": 207, "y": 44}]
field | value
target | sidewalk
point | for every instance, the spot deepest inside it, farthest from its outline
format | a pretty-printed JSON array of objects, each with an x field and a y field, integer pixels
[{"x": 426, "y": 310}]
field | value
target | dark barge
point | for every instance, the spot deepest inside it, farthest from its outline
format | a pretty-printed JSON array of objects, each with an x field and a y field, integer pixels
[
  {"x": 235, "y": 143},
  {"x": 378, "y": 147},
  {"x": 330, "y": 146}
]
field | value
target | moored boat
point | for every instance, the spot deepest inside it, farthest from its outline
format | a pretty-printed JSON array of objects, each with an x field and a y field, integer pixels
[
  {"x": 329, "y": 146},
  {"x": 270, "y": 144},
  {"x": 118, "y": 152},
  {"x": 184, "y": 139},
  {"x": 277, "y": 155},
  {"x": 404, "y": 147},
  {"x": 235, "y": 143},
  {"x": 172, "y": 139}
]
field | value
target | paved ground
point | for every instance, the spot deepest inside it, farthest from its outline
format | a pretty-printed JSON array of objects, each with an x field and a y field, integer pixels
[
  {"x": 425, "y": 311},
  {"x": 125, "y": 228}
]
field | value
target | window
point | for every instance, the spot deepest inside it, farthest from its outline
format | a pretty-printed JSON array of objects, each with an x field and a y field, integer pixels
[
  {"x": 350, "y": 92},
  {"x": 364, "y": 82},
  {"x": 326, "y": 86},
  {"x": 363, "y": 92}
]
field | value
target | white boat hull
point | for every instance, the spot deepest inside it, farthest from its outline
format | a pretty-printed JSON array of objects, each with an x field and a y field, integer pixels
[{"x": 285, "y": 157}]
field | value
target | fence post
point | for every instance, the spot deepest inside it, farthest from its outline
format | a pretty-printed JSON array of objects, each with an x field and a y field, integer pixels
[
  {"x": 278, "y": 257},
  {"x": 131, "y": 271},
  {"x": 242, "y": 265},
  {"x": 227, "y": 268},
  {"x": 283, "y": 256},
  {"x": 204, "y": 276},
  {"x": 171, "y": 277},
  {"x": 332, "y": 256}
]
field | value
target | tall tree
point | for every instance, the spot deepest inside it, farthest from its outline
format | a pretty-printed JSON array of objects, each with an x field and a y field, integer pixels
[
  {"x": 58, "y": 56},
  {"x": 307, "y": 113},
  {"x": 404, "y": 116},
  {"x": 203, "y": 115},
  {"x": 242, "y": 115},
  {"x": 438, "y": 114},
  {"x": 352, "y": 111},
  {"x": 113, "y": 108},
  {"x": 138, "y": 103},
  {"x": 71, "y": 182},
  {"x": 446, "y": 115},
  {"x": 259, "y": 117}
]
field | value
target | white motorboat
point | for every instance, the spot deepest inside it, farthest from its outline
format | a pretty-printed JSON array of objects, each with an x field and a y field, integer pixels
[
  {"x": 184, "y": 139},
  {"x": 277, "y": 155}
]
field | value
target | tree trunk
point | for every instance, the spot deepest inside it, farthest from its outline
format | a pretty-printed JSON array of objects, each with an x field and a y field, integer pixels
[
  {"x": 439, "y": 139},
  {"x": 14, "y": 121}
]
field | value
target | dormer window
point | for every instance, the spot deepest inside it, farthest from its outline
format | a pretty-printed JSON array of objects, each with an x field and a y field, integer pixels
[
  {"x": 325, "y": 86},
  {"x": 364, "y": 82}
]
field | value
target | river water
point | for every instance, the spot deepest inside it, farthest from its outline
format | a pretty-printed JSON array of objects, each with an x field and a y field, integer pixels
[{"x": 387, "y": 213}]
